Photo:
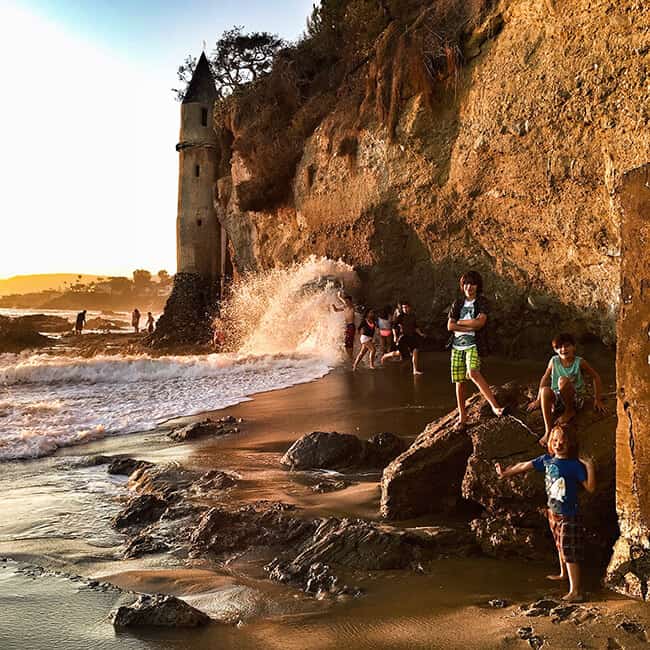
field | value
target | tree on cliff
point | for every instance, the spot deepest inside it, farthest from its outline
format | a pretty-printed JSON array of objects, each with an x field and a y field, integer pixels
[{"x": 238, "y": 59}]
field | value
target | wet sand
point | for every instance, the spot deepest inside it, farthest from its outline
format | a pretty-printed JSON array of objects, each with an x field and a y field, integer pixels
[{"x": 57, "y": 515}]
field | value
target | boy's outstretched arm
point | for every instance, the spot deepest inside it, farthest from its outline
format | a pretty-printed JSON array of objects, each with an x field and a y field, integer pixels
[
  {"x": 590, "y": 483},
  {"x": 543, "y": 382},
  {"x": 598, "y": 386},
  {"x": 517, "y": 468}
]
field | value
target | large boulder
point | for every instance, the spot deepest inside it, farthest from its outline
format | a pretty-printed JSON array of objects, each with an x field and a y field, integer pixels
[
  {"x": 158, "y": 610},
  {"x": 445, "y": 467},
  {"x": 332, "y": 450}
]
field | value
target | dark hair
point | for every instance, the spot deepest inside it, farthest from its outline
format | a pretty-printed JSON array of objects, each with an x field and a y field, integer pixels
[
  {"x": 384, "y": 312},
  {"x": 574, "y": 449},
  {"x": 472, "y": 277},
  {"x": 564, "y": 337}
]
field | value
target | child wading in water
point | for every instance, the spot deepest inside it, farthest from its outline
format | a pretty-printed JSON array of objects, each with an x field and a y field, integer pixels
[
  {"x": 563, "y": 472},
  {"x": 562, "y": 387},
  {"x": 366, "y": 336},
  {"x": 467, "y": 321},
  {"x": 385, "y": 324}
]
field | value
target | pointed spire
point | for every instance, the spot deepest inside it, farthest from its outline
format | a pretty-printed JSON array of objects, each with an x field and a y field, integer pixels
[{"x": 201, "y": 88}]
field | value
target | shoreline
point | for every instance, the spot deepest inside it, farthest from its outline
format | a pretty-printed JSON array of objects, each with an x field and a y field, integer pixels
[{"x": 363, "y": 404}]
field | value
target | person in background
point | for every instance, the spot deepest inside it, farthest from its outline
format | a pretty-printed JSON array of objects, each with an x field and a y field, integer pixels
[
  {"x": 366, "y": 338},
  {"x": 564, "y": 472},
  {"x": 150, "y": 323},
  {"x": 80, "y": 322},
  {"x": 347, "y": 307},
  {"x": 135, "y": 320},
  {"x": 385, "y": 326},
  {"x": 408, "y": 337}
]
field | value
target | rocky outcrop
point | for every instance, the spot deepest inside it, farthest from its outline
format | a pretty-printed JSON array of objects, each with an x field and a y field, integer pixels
[
  {"x": 629, "y": 569},
  {"x": 444, "y": 468},
  {"x": 411, "y": 168},
  {"x": 124, "y": 465},
  {"x": 221, "y": 427},
  {"x": 189, "y": 312},
  {"x": 15, "y": 337},
  {"x": 332, "y": 450},
  {"x": 158, "y": 610}
]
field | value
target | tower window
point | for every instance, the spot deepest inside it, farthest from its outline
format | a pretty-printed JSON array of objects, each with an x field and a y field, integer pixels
[
  {"x": 204, "y": 117},
  {"x": 197, "y": 170}
]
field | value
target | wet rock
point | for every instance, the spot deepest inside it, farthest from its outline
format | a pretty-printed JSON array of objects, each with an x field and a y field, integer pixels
[
  {"x": 525, "y": 632},
  {"x": 212, "y": 481},
  {"x": 43, "y": 323},
  {"x": 15, "y": 336},
  {"x": 632, "y": 627},
  {"x": 498, "y": 603},
  {"x": 125, "y": 466},
  {"x": 224, "y": 426},
  {"x": 536, "y": 641},
  {"x": 541, "y": 607},
  {"x": 332, "y": 450},
  {"x": 139, "y": 511},
  {"x": 323, "y": 449},
  {"x": 167, "y": 482},
  {"x": 562, "y": 612},
  {"x": 144, "y": 544},
  {"x": 158, "y": 610},
  {"x": 221, "y": 530},
  {"x": 330, "y": 486}
]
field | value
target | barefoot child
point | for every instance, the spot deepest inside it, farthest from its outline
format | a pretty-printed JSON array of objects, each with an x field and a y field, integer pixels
[
  {"x": 408, "y": 337},
  {"x": 466, "y": 322},
  {"x": 562, "y": 387},
  {"x": 366, "y": 336},
  {"x": 347, "y": 307},
  {"x": 563, "y": 473}
]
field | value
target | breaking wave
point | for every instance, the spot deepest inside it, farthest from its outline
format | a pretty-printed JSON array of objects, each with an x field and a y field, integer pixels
[{"x": 284, "y": 330}]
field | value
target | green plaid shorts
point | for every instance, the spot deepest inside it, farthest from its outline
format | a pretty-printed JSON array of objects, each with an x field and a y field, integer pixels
[{"x": 462, "y": 361}]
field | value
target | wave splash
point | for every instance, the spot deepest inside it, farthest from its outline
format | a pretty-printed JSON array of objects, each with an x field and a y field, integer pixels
[{"x": 285, "y": 334}]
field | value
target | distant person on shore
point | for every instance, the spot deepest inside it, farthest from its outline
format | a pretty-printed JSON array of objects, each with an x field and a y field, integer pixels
[
  {"x": 467, "y": 322},
  {"x": 385, "y": 326},
  {"x": 135, "y": 320},
  {"x": 408, "y": 337},
  {"x": 80, "y": 322},
  {"x": 150, "y": 323},
  {"x": 564, "y": 471},
  {"x": 366, "y": 338},
  {"x": 347, "y": 307},
  {"x": 562, "y": 387}
]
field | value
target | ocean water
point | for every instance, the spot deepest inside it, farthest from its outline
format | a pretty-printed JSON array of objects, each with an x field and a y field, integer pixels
[{"x": 285, "y": 334}]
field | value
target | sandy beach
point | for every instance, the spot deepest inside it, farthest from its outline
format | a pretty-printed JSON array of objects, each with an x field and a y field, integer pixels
[{"x": 58, "y": 512}]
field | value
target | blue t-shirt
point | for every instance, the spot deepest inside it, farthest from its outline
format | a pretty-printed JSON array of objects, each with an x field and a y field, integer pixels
[{"x": 561, "y": 476}]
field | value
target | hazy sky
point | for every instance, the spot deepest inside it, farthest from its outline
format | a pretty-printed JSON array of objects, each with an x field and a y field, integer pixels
[{"x": 88, "y": 167}]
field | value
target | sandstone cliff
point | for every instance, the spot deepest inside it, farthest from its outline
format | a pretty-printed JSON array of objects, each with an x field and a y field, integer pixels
[{"x": 462, "y": 134}]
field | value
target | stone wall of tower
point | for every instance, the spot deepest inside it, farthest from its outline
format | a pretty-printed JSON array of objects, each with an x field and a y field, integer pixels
[{"x": 198, "y": 232}]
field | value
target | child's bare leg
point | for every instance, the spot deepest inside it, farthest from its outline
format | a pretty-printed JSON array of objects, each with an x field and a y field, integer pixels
[
  {"x": 460, "y": 400},
  {"x": 568, "y": 392},
  {"x": 574, "y": 595},
  {"x": 390, "y": 355},
  {"x": 362, "y": 353},
  {"x": 547, "y": 399},
  {"x": 563, "y": 574},
  {"x": 415, "y": 355},
  {"x": 371, "y": 360},
  {"x": 486, "y": 391}
]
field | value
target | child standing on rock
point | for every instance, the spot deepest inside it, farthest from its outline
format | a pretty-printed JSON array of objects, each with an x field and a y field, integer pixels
[
  {"x": 562, "y": 387},
  {"x": 366, "y": 338},
  {"x": 563, "y": 471},
  {"x": 466, "y": 322}
]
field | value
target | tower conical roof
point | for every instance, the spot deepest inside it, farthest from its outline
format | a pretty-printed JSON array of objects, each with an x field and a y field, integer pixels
[{"x": 201, "y": 88}]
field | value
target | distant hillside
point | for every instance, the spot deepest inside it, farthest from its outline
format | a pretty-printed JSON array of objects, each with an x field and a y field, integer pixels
[{"x": 42, "y": 282}]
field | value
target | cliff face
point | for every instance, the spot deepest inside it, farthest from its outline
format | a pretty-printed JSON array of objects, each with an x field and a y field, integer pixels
[{"x": 507, "y": 163}]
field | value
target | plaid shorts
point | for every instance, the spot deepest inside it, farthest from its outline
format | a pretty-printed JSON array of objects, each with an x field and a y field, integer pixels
[
  {"x": 462, "y": 361},
  {"x": 568, "y": 535}
]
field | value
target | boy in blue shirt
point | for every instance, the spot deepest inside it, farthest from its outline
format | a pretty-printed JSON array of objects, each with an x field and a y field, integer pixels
[
  {"x": 562, "y": 387},
  {"x": 563, "y": 472}
]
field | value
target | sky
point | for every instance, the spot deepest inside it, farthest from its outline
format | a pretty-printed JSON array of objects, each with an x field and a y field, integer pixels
[{"x": 88, "y": 166}]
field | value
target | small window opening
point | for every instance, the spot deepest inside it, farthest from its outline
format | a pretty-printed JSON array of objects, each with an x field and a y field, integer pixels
[
  {"x": 197, "y": 170},
  {"x": 199, "y": 222},
  {"x": 204, "y": 117}
]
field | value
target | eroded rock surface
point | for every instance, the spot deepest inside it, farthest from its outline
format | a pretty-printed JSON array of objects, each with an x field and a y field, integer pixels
[
  {"x": 160, "y": 611},
  {"x": 221, "y": 427}
]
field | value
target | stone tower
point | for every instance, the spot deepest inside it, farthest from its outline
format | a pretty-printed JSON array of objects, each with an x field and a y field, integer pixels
[
  {"x": 198, "y": 231},
  {"x": 200, "y": 239}
]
